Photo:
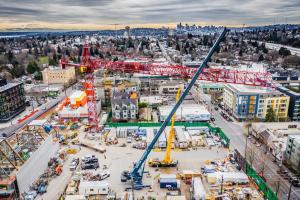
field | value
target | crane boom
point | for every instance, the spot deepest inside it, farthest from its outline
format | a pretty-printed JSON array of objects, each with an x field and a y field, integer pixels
[
  {"x": 168, "y": 158},
  {"x": 135, "y": 173}
]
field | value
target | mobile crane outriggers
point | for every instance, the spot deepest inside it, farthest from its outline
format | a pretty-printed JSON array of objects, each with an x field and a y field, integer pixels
[{"x": 136, "y": 175}]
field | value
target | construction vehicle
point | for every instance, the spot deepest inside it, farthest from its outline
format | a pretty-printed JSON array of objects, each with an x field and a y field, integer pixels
[
  {"x": 58, "y": 170},
  {"x": 136, "y": 175},
  {"x": 167, "y": 161},
  {"x": 105, "y": 135}
]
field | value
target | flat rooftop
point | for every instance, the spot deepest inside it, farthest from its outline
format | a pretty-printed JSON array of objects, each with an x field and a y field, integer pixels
[
  {"x": 8, "y": 86},
  {"x": 295, "y": 137},
  {"x": 245, "y": 89},
  {"x": 289, "y": 90},
  {"x": 185, "y": 109}
]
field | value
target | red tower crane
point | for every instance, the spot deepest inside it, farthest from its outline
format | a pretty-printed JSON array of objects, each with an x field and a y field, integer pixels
[{"x": 88, "y": 65}]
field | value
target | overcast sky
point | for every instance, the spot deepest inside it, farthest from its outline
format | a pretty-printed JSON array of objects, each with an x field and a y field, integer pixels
[{"x": 106, "y": 12}]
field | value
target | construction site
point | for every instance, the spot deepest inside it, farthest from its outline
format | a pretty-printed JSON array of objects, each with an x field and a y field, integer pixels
[{"x": 101, "y": 141}]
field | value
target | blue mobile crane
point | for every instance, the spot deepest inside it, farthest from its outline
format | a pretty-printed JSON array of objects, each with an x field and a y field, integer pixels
[{"x": 136, "y": 175}]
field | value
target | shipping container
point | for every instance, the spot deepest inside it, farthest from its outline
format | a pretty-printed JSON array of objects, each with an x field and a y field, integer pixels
[
  {"x": 169, "y": 183},
  {"x": 182, "y": 141},
  {"x": 167, "y": 176},
  {"x": 162, "y": 140}
]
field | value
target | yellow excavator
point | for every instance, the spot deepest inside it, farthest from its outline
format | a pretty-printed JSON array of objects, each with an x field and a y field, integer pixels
[{"x": 167, "y": 161}]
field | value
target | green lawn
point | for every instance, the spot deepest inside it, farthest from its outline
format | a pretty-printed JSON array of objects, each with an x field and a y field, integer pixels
[{"x": 43, "y": 60}]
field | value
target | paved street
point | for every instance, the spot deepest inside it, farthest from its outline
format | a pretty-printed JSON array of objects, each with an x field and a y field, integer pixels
[
  {"x": 236, "y": 132},
  {"x": 11, "y": 129}
]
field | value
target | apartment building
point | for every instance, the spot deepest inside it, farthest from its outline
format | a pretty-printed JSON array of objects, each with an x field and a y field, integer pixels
[
  {"x": 154, "y": 86},
  {"x": 210, "y": 87},
  {"x": 124, "y": 104},
  {"x": 294, "y": 103},
  {"x": 12, "y": 100},
  {"x": 248, "y": 102},
  {"x": 292, "y": 152},
  {"x": 56, "y": 75}
]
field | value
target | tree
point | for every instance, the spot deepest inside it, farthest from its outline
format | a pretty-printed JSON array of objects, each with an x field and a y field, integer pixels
[
  {"x": 38, "y": 76},
  {"x": 142, "y": 105},
  {"x": 17, "y": 71},
  {"x": 291, "y": 61},
  {"x": 58, "y": 50},
  {"x": 284, "y": 52},
  {"x": 10, "y": 56},
  {"x": 260, "y": 58},
  {"x": 270, "y": 116},
  {"x": 241, "y": 52},
  {"x": 52, "y": 62},
  {"x": 32, "y": 67}
]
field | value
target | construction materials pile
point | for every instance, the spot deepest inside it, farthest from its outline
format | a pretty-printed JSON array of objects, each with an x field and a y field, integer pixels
[
  {"x": 227, "y": 176},
  {"x": 94, "y": 176},
  {"x": 40, "y": 185}
]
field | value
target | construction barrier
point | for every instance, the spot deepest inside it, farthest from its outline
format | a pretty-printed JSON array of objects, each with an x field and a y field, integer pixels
[
  {"x": 262, "y": 186},
  {"x": 215, "y": 130},
  {"x": 268, "y": 193}
]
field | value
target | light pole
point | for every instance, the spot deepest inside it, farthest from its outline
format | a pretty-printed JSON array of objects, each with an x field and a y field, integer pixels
[
  {"x": 289, "y": 195},
  {"x": 246, "y": 145}
]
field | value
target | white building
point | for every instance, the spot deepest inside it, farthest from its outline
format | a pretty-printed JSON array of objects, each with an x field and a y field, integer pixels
[{"x": 186, "y": 112}]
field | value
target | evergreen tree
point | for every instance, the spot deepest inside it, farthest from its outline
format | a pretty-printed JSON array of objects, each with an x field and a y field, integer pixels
[
  {"x": 32, "y": 67},
  {"x": 270, "y": 116},
  {"x": 10, "y": 56}
]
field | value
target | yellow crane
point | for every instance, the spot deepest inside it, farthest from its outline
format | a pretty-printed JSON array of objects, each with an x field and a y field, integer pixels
[{"x": 167, "y": 161}]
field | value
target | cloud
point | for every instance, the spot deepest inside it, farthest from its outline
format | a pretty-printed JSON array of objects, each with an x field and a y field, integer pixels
[{"x": 105, "y": 12}]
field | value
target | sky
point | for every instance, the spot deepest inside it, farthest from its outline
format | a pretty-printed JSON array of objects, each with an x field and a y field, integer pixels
[{"x": 104, "y": 14}]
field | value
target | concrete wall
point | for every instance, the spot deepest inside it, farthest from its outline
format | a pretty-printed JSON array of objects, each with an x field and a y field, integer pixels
[{"x": 36, "y": 164}]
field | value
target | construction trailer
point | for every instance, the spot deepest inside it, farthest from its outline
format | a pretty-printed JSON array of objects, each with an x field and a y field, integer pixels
[
  {"x": 181, "y": 139},
  {"x": 93, "y": 188}
]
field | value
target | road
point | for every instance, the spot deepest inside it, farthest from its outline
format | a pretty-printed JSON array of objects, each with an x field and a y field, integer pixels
[
  {"x": 236, "y": 132},
  {"x": 8, "y": 131},
  {"x": 163, "y": 50},
  {"x": 294, "y": 51}
]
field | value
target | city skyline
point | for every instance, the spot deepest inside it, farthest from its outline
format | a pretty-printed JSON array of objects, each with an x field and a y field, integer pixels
[{"x": 105, "y": 14}]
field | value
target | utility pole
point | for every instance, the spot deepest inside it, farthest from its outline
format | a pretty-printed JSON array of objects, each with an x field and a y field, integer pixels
[
  {"x": 277, "y": 187},
  {"x": 222, "y": 185},
  {"x": 132, "y": 188},
  {"x": 289, "y": 195},
  {"x": 246, "y": 153}
]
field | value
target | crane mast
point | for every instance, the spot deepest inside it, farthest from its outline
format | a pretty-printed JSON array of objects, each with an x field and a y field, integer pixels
[{"x": 168, "y": 160}]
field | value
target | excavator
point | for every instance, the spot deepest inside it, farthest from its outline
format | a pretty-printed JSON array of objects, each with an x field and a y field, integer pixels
[{"x": 167, "y": 161}]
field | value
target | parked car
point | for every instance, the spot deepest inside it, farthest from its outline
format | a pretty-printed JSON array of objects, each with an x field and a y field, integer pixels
[
  {"x": 104, "y": 175},
  {"x": 74, "y": 164},
  {"x": 31, "y": 195},
  {"x": 295, "y": 182},
  {"x": 87, "y": 157},
  {"x": 129, "y": 139},
  {"x": 91, "y": 160},
  {"x": 94, "y": 165}
]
